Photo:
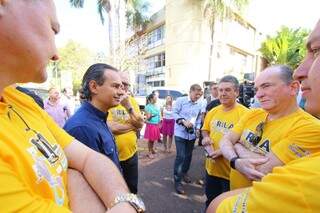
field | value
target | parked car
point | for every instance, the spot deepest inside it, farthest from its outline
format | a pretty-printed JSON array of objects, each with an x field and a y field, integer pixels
[{"x": 163, "y": 93}]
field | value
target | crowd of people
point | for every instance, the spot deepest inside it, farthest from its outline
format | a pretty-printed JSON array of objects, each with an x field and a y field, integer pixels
[{"x": 85, "y": 159}]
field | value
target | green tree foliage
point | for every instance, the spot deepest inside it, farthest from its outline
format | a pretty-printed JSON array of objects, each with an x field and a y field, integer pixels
[
  {"x": 136, "y": 14},
  {"x": 75, "y": 59},
  {"x": 286, "y": 47}
]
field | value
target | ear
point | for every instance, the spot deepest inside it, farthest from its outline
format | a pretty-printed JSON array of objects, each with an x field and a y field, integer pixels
[
  {"x": 93, "y": 87},
  {"x": 295, "y": 86}
]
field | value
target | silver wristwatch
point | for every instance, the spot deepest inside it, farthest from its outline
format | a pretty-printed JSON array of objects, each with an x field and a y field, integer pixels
[{"x": 135, "y": 201}]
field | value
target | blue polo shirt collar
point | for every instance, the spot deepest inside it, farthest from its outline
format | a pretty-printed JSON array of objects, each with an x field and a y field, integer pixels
[{"x": 92, "y": 109}]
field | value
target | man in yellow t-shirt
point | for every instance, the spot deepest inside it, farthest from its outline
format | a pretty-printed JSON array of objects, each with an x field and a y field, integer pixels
[
  {"x": 272, "y": 136},
  {"x": 124, "y": 121},
  {"x": 295, "y": 186},
  {"x": 216, "y": 123},
  {"x": 35, "y": 152}
]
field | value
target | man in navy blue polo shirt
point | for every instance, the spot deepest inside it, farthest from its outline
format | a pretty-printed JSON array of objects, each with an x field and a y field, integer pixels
[{"x": 101, "y": 90}]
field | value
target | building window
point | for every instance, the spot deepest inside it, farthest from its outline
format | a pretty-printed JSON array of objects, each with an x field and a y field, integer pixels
[
  {"x": 156, "y": 61},
  {"x": 155, "y": 37}
]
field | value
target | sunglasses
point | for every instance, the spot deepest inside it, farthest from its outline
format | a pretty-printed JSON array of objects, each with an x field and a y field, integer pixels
[
  {"x": 256, "y": 138},
  {"x": 38, "y": 140}
]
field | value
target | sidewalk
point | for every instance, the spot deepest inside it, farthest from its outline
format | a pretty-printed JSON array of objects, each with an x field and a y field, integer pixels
[{"x": 156, "y": 182}]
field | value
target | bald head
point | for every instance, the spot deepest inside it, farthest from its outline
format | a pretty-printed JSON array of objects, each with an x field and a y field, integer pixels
[
  {"x": 125, "y": 81},
  {"x": 276, "y": 90},
  {"x": 284, "y": 73}
]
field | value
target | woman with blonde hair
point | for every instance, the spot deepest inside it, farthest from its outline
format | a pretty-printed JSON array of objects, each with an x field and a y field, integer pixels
[{"x": 167, "y": 124}]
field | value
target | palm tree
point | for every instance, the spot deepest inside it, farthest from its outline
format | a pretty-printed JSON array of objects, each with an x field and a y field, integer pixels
[
  {"x": 220, "y": 9},
  {"x": 134, "y": 8},
  {"x": 286, "y": 47},
  {"x": 135, "y": 13}
]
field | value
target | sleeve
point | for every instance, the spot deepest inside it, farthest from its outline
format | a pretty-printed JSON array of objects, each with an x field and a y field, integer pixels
[
  {"x": 85, "y": 135},
  {"x": 62, "y": 137},
  {"x": 176, "y": 109},
  {"x": 239, "y": 127},
  {"x": 147, "y": 109},
  {"x": 206, "y": 123},
  {"x": 135, "y": 106},
  {"x": 16, "y": 197},
  {"x": 198, "y": 121},
  {"x": 301, "y": 141},
  {"x": 204, "y": 105}
]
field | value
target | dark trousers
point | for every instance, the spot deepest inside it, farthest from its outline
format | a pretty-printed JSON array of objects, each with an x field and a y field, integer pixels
[
  {"x": 130, "y": 172},
  {"x": 182, "y": 163},
  {"x": 214, "y": 187}
]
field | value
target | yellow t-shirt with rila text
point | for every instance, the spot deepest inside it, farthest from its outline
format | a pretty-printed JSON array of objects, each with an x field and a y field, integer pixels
[
  {"x": 290, "y": 137},
  {"x": 217, "y": 122},
  {"x": 33, "y": 166},
  {"x": 290, "y": 188},
  {"x": 127, "y": 142}
]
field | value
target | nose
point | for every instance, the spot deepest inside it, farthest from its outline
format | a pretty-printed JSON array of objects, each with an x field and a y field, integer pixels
[
  {"x": 55, "y": 57},
  {"x": 121, "y": 91},
  {"x": 302, "y": 70},
  {"x": 259, "y": 93}
]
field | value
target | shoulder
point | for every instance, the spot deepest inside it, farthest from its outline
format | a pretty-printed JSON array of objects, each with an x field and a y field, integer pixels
[
  {"x": 305, "y": 120},
  {"x": 242, "y": 108}
]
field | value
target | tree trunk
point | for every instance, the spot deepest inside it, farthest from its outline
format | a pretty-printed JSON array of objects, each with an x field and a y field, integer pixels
[
  {"x": 211, "y": 49},
  {"x": 110, "y": 35}
]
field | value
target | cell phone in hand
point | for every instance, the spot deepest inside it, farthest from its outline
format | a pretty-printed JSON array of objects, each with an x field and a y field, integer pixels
[{"x": 208, "y": 150}]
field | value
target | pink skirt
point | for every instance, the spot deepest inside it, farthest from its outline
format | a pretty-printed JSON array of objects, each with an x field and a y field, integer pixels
[
  {"x": 167, "y": 127},
  {"x": 152, "y": 132}
]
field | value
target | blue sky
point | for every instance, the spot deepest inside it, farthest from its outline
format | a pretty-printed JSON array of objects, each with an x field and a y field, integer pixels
[{"x": 84, "y": 26}]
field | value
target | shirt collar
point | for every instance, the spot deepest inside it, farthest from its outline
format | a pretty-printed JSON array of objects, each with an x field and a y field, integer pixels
[
  {"x": 88, "y": 106},
  {"x": 189, "y": 99}
]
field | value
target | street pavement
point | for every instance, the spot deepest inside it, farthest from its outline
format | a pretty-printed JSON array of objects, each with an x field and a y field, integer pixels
[{"x": 156, "y": 184}]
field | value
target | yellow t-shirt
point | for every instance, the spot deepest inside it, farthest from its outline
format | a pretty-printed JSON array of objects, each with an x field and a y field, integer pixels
[
  {"x": 289, "y": 138},
  {"x": 127, "y": 142},
  {"x": 33, "y": 172},
  {"x": 217, "y": 122},
  {"x": 290, "y": 188}
]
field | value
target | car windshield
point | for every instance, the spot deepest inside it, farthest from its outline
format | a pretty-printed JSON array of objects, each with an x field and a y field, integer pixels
[{"x": 164, "y": 93}]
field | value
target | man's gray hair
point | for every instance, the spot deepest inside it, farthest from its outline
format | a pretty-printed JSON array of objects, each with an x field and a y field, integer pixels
[
  {"x": 230, "y": 79},
  {"x": 285, "y": 73}
]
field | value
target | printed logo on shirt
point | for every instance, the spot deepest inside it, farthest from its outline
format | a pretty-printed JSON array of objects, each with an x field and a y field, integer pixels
[
  {"x": 49, "y": 162},
  {"x": 220, "y": 126},
  {"x": 298, "y": 151},
  {"x": 263, "y": 147},
  {"x": 119, "y": 115}
]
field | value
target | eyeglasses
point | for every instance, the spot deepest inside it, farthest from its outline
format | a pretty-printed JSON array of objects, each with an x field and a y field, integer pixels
[{"x": 42, "y": 144}]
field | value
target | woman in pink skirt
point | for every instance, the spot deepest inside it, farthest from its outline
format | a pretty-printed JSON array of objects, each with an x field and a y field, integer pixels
[
  {"x": 167, "y": 124},
  {"x": 152, "y": 131}
]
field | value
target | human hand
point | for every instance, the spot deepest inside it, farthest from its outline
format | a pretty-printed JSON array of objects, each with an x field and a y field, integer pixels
[
  {"x": 206, "y": 141},
  {"x": 248, "y": 167},
  {"x": 198, "y": 133},
  {"x": 125, "y": 101},
  {"x": 187, "y": 124},
  {"x": 217, "y": 153}
]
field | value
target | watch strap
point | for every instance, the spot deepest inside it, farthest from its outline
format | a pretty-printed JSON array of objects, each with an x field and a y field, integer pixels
[{"x": 233, "y": 162}]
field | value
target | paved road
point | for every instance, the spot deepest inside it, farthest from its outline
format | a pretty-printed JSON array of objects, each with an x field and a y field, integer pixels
[{"x": 156, "y": 186}]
